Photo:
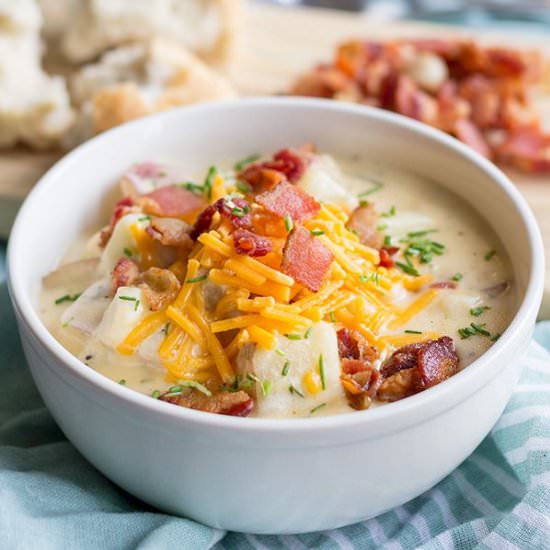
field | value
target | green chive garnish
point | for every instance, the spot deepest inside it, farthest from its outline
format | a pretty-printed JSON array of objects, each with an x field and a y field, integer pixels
[
  {"x": 294, "y": 336},
  {"x": 128, "y": 252},
  {"x": 67, "y": 298},
  {"x": 122, "y": 382},
  {"x": 408, "y": 331},
  {"x": 332, "y": 317},
  {"x": 144, "y": 219},
  {"x": 245, "y": 162},
  {"x": 477, "y": 311},
  {"x": 288, "y": 223},
  {"x": 318, "y": 407},
  {"x": 490, "y": 254},
  {"x": 293, "y": 389},
  {"x": 317, "y": 232},
  {"x": 408, "y": 269},
  {"x": 377, "y": 186},
  {"x": 286, "y": 367},
  {"x": 390, "y": 213},
  {"x": 244, "y": 187},
  {"x": 209, "y": 181},
  {"x": 280, "y": 352},
  {"x": 197, "y": 279},
  {"x": 195, "y": 385},
  {"x": 155, "y": 394},
  {"x": 322, "y": 372},
  {"x": 457, "y": 277},
  {"x": 308, "y": 332}
]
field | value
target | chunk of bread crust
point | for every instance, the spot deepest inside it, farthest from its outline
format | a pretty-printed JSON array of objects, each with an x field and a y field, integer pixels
[
  {"x": 34, "y": 107},
  {"x": 136, "y": 80},
  {"x": 207, "y": 27}
]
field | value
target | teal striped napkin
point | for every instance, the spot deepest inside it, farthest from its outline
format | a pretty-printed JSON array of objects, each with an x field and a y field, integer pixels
[{"x": 51, "y": 498}]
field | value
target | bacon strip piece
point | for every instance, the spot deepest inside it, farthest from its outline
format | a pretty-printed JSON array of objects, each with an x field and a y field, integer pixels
[
  {"x": 170, "y": 232},
  {"x": 364, "y": 222},
  {"x": 416, "y": 367},
  {"x": 228, "y": 403},
  {"x": 251, "y": 244},
  {"x": 306, "y": 259},
  {"x": 171, "y": 201},
  {"x": 527, "y": 148},
  {"x": 160, "y": 287},
  {"x": 468, "y": 133},
  {"x": 125, "y": 273},
  {"x": 287, "y": 200}
]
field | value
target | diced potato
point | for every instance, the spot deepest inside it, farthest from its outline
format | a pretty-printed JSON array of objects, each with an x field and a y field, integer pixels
[
  {"x": 322, "y": 180},
  {"x": 273, "y": 389},
  {"x": 125, "y": 312},
  {"x": 121, "y": 239},
  {"x": 86, "y": 312}
]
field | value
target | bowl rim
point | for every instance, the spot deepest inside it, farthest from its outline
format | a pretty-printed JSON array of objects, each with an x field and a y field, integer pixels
[{"x": 392, "y": 411}]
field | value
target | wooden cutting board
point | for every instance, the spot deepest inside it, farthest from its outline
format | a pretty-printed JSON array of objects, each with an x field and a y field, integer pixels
[{"x": 278, "y": 45}]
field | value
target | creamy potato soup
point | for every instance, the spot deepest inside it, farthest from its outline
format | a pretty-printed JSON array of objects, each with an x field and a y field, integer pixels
[{"x": 296, "y": 285}]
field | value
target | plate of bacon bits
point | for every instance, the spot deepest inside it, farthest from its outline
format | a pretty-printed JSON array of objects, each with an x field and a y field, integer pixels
[{"x": 485, "y": 96}]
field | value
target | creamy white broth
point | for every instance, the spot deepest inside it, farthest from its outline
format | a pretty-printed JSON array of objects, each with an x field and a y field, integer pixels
[{"x": 467, "y": 239}]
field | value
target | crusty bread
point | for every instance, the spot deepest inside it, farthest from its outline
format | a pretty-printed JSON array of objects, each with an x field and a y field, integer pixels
[
  {"x": 139, "y": 79},
  {"x": 34, "y": 107},
  {"x": 207, "y": 27}
]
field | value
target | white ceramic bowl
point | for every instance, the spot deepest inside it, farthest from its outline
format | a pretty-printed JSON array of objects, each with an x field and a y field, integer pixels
[{"x": 259, "y": 475}]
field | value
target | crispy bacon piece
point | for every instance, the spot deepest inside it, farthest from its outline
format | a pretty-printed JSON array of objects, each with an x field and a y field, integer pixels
[
  {"x": 443, "y": 284},
  {"x": 237, "y": 211},
  {"x": 125, "y": 273},
  {"x": 364, "y": 222},
  {"x": 468, "y": 133},
  {"x": 228, "y": 403},
  {"x": 291, "y": 164},
  {"x": 414, "y": 103},
  {"x": 306, "y": 259},
  {"x": 171, "y": 201},
  {"x": 251, "y": 244},
  {"x": 416, "y": 367},
  {"x": 528, "y": 149},
  {"x": 122, "y": 207},
  {"x": 352, "y": 345},
  {"x": 203, "y": 222},
  {"x": 170, "y": 232},
  {"x": 287, "y": 200},
  {"x": 160, "y": 287}
]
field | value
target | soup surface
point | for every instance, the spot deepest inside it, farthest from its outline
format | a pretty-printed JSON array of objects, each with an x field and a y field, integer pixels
[{"x": 291, "y": 286}]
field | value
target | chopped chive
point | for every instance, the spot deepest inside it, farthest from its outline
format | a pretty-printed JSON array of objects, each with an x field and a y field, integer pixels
[
  {"x": 266, "y": 387},
  {"x": 172, "y": 394},
  {"x": 477, "y": 311},
  {"x": 465, "y": 332},
  {"x": 322, "y": 372},
  {"x": 364, "y": 202},
  {"x": 128, "y": 252},
  {"x": 195, "y": 385},
  {"x": 317, "y": 232},
  {"x": 166, "y": 328},
  {"x": 457, "y": 277},
  {"x": 409, "y": 269},
  {"x": 490, "y": 254},
  {"x": 128, "y": 298},
  {"x": 288, "y": 223},
  {"x": 155, "y": 394},
  {"x": 244, "y": 187},
  {"x": 377, "y": 186},
  {"x": 239, "y": 165},
  {"x": 144, "y": 219},
  {"x": 136, "y": 305},
  {"x": 209, "y": 180},
  {"x": 382, "y": 227},
  {"x": 390, "y": 213},
  {"x": 332, "y": 316},
  {"x": 67, "y": 298},
  {"x": 317, "y": 408},
  {"x": 122, "y": 382},
  {"x": 480, "y": 329},
  {"x": 387, "y": 240},
  {"x": 286, "y": 367},
  {"x": 195, "y": 188},
  {"x": 308, "y": 332},
  {"x": 409, "y": 331},
  {"x": 495, "y": 337},
  {"x": 280, "y": 352},
  {"x": 424, "y": 232},
  {"x": 293, "y": 389},
  {"x": 66, "y": 323},
  {"x": 175, "y": 389},
  {"x": 197, "y": 279},
  {"x": 294, "y": 336}
]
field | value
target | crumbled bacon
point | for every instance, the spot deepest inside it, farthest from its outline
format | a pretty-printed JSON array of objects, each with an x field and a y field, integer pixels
[
  {"x": 416, "y": 367},
  {"x": 236, "y": 210},
  {"x": 287, "y": 200},
  {"x": 251, "y": 244},
  {"x": 171, "y": 201},
  {"x": 306, "y": 259},
  {"x": 364, "y": 222},
  {"x": 459, "y": 86},
  {"x": 203, "y": 222},
  {"x": 160, "y": 287},
  {"x": 386, "y": 253},
  {"x": 227, "y": 403},
  {"x": 125, "y": 273},
  {"x": 170, "y": 232},
  {"x": 352, "y": 345},
  {"x": 443, "y": 284},
  {"x": 286, "y": 164},
  {"x": 122, "y": 207}
]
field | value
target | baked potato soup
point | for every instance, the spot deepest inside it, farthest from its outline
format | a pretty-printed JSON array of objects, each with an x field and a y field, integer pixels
[{"x": 282, "y": 286}]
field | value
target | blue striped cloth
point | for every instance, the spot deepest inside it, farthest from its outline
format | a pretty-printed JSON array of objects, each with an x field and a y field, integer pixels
[{"x": 51, "y": 498}]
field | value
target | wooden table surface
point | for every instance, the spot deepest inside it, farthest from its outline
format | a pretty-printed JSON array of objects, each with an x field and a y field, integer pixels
[{"x": 278, "y": 45}]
